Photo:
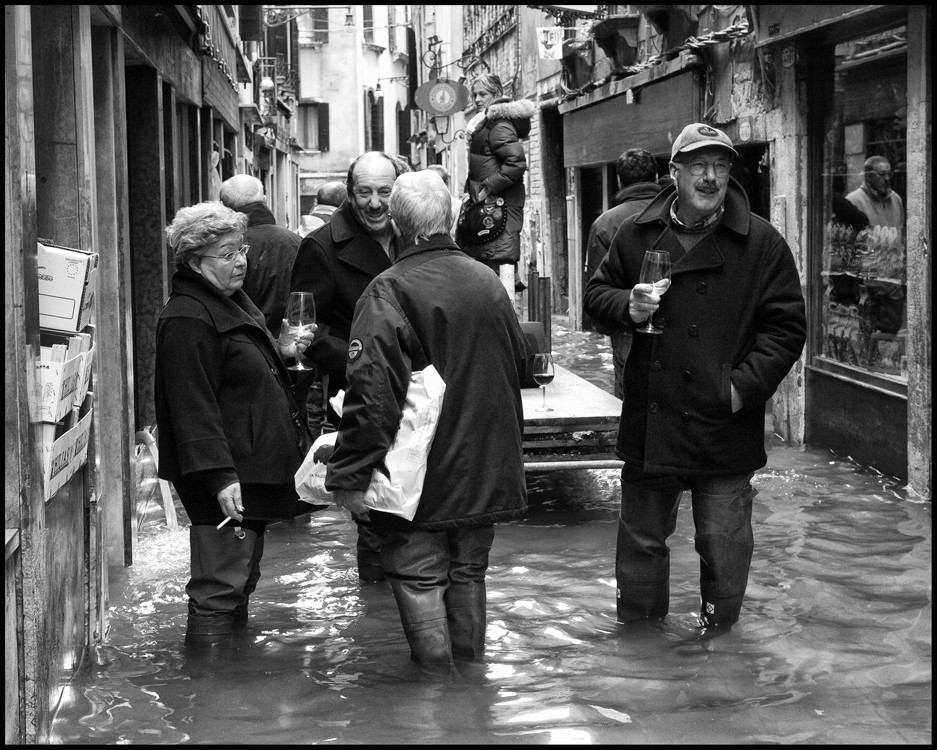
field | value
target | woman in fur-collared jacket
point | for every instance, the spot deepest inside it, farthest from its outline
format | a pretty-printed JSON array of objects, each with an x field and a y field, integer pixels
[{"x": 496, "y": 167}]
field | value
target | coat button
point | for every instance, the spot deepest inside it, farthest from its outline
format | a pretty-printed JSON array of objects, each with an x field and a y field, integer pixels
[
  {"x": 685, "y": 416},
  {"x": 656, "y": 366},
  {"x": 652, "y": 407},
  {"x": 687, "y": 375},
  {"x": 701, "y": 288},
  {"x": 693, "y": 331}
]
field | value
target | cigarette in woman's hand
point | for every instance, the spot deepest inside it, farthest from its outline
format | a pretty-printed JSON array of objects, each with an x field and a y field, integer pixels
[{"x": 223, "y": 522}]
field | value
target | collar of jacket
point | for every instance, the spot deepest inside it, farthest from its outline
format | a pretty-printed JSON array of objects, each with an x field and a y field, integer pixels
[
  {"x": 434, "y": 242},
  {"x": 257, "y": 213},
  {"x": 504, "y": 109},
  {"x": 226, "y": 313},
  {"x": 636, "y": 191},
  {"x": 353, "y": 242},
  {"x": 737, "y": 217}
]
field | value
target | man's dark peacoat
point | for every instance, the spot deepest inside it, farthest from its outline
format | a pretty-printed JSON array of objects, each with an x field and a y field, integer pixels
[{"x": 734, "y": 313}]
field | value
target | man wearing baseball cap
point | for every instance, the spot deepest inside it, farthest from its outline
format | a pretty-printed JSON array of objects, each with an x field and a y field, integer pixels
[{"x": 734, "y": 324}]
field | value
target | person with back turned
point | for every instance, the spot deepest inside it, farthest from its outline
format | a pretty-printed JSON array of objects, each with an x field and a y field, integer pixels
[
  {"x": 637, "y": 175},
  {"x": 436, "y": 306},
  {"x": 693, "y": 418},
  {"x": 273, "y": 248}
]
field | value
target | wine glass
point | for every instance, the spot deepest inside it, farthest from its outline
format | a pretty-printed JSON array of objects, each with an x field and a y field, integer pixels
[
  {"x": 300, "y": 320},
  {"x": 543, "y": 375},
  {"x": 654, "y": 269}
]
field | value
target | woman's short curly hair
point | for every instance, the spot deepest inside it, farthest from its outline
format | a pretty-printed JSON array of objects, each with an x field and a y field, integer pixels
[{"x": 199, "y": 225}]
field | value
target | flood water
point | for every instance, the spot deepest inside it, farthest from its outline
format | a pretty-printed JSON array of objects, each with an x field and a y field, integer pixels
[{"x": 833, "y": 646}]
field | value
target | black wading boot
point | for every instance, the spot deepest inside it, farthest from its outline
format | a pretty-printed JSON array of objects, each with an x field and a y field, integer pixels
[
  {"x": 220, "y": 570},
  {"x": 423, "y": 615}
]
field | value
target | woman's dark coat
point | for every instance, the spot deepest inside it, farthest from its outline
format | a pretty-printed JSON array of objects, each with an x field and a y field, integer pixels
[
  {"x": 497, "y": 162},
  {"x": 734, "y": 313},
  {"x": 223, "y": 407},
  {"x": 438, "y": 306}
]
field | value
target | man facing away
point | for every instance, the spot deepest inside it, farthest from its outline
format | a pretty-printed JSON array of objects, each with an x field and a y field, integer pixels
[
  {"x": 637, "y": 186},
  {"x": 272, "y": 248},
  {"x": 336, "y": 263},
  {"x": 436, "y": 306},
  {"x": 734, "y": 324}
]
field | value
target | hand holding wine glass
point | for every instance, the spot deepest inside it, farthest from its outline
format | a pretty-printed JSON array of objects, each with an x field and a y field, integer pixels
[
  {"x": 300, "y": 322},
  {"x": 543, "y": 375},
  {"x": 655, "y": 270}
]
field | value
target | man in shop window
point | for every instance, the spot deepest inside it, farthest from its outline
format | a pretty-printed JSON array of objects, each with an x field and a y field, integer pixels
[
  {"x": 637, "y": 186},
  {"x": 734, "y": 323},
  {"x": 875, "y": 198}
]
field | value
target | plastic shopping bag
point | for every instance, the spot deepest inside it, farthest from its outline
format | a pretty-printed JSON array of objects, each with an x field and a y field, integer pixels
[
  {"x": 309, "y": 478},
  {"x": 399, "y": 490}
]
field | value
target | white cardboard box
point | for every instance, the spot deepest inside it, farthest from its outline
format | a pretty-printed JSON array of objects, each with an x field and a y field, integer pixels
[
  {"x": 59, "y": 385},
  {"x": 68, "y": 453},
  {"x": 67, "y": 286}
]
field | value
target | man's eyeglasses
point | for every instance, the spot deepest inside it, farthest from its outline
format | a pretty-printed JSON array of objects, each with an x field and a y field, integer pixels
[
  {"x": 365, "y": 194},
  {"x": 698, "y": 168},
  {"x": 230, "y": 256}
]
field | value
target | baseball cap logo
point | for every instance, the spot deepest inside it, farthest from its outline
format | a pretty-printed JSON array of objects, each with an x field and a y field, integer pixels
[{"x": 708, "y": 132}]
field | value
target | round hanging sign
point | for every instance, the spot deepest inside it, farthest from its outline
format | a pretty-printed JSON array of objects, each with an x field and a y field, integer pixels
[{"x": 441, "y": 97}]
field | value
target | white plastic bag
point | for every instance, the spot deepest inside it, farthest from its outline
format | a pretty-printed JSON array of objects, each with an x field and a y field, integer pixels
[
  {"x": 309, "y": 478},
  {"x": 399, "y": 490}
]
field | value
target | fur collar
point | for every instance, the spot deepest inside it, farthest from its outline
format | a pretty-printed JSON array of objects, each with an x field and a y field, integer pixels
[{"x": 522, "y": 109}]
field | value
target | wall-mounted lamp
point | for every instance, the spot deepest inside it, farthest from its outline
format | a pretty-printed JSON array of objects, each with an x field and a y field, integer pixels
[
  {"x": 398, "y": 79},
  {"x": 441, "y": 123},
  {"x": 277, "y": 15}
]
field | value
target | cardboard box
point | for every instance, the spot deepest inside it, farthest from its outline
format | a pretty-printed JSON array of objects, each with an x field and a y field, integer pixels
[
  {"x": 84, "y": 379},
  {"x": 59, "y": 384},
  {"x": 67, "y": 286},
  {"x": 69, "y": 452}
]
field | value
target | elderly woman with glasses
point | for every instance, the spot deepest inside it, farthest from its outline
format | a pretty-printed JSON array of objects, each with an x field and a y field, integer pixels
[{"x": 226, "y": 418}]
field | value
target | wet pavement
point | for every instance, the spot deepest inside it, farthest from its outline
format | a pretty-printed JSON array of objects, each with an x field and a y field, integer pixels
[{"x": 834, "y": 644}]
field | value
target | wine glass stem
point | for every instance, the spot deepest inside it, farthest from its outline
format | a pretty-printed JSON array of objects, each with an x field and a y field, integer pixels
[{"x": 543, "y": 389}]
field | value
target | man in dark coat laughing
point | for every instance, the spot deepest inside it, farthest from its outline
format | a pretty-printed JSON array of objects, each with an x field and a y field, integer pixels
[{"x": 734, "y": 325}]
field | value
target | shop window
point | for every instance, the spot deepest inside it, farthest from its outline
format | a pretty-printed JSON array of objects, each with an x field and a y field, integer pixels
[{"x": 864, "y": 281}]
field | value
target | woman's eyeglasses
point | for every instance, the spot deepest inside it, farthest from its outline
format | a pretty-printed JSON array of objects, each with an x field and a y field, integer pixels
[{"x": 229, "y": 257}]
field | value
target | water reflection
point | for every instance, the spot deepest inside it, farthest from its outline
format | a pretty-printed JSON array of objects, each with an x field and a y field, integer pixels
[{"x": 834, "y": 644}]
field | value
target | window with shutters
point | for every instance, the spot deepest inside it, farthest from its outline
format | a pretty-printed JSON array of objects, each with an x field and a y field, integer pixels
[{"x": 314, "y": 125}]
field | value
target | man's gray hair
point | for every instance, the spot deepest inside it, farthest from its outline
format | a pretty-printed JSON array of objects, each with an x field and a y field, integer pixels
[
  {"x": 420, "y": 206},
  {"x": 195, "y": 227},
  {"x": 240, "y": 190}
]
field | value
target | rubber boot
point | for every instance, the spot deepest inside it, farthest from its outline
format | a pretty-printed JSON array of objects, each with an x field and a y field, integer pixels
[
  {"x": 240, "y": 611},
  {"x": 220, "y": 568},
  {"x": 423, "y": 615},
  {"x": 467, "y": 617}
]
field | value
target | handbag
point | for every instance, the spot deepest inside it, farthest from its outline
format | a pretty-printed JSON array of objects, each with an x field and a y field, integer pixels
[{"x": 481, "y": 221}]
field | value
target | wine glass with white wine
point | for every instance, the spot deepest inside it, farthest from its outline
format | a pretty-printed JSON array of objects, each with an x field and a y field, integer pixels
[
  {"x": 301, "y": 321},
  {"x": 654, "y": 270}
]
